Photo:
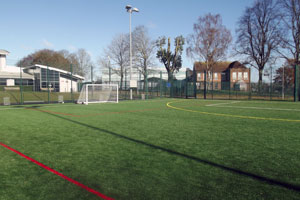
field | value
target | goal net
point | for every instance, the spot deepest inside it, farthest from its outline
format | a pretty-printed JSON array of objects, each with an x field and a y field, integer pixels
[{"x": 98, "y": 93}]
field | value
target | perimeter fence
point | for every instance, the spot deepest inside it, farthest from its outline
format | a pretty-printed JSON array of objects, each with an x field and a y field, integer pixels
[
  {"x": 50, "y": 87},
  {"x": 157, "y": 85}
]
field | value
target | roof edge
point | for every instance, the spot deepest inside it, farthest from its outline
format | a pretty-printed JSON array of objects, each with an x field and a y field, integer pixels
[{"x": 4, "y": 52}]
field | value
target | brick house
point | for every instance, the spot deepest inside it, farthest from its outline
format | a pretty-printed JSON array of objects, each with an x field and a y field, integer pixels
[{"x": 222, "y": 74}]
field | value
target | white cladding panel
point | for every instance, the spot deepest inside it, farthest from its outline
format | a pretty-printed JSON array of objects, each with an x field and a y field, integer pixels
[
  {"x": 65, "y": 85},
  {"x": 10, "y": 82},
  {"x": 2, "y": 62}
]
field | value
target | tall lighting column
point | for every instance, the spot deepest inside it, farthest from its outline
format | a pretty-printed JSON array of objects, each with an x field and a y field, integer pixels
[{"x": 130, "y": 9}]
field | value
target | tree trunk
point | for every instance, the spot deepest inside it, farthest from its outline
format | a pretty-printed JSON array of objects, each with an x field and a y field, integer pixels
[
  {"x": 144, "y": 86},
  {"x": 121, "y": 84},
  {"x": 170, "y": 77},
  {"x": 260, "y": 74}
]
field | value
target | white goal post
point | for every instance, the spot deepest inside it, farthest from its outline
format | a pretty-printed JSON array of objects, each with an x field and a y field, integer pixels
[{"x": 99, "y": 93}]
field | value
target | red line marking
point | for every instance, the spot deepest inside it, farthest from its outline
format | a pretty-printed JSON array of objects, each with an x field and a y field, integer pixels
[{"x": 58, "y": 173}]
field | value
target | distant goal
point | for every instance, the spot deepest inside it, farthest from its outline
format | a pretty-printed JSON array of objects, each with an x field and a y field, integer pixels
[{"x": 99, "y": 93}]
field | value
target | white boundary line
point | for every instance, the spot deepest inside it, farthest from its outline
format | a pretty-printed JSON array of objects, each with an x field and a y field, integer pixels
[
  {"x": 258, "y": 108},
  {"x": 217, "y": 104}
]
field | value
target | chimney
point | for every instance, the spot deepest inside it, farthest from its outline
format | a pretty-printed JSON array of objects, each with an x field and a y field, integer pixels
[{"x": 3, "y": 54}]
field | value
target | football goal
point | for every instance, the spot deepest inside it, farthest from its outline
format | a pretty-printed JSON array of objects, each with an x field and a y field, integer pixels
[{"x": 98, "y": 93}]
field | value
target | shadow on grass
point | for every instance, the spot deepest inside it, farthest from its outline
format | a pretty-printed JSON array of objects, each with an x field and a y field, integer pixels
[{"x": 199, "y": 160}]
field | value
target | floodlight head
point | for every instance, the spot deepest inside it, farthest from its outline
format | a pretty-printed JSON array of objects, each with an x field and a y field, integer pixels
[
  {"x": 128, "y": 8},
  {"x": 135, "y": 9}
]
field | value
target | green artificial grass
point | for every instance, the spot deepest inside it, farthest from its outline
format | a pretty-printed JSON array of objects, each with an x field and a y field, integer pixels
[{"x": 147, "y": 150}]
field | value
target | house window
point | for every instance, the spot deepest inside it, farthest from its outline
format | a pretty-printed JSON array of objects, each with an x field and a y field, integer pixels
[
  {"x": 199, "y": 76},
  {"x": 245, "y": 75},
  {"x": 233, "y": 75},
  {"x": 240, "y": 75},
  {"x": 215, "y": 76}
]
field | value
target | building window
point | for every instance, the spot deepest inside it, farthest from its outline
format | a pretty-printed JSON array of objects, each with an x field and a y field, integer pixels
[
  {"x": 245, "y": 75},
  {"x": 240, "y": 75},
  {"x": 233, "y": 75},
  {"x": 24, "y": 82},
  {"x": 2, "y": 81},
  {"x": 199, "y": 76},
  {"x": 215, "y": 76},
  {"x": 52, "y": 77}
]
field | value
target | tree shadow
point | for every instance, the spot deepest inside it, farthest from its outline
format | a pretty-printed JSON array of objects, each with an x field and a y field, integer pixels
[{"x": 267, "y": 180}]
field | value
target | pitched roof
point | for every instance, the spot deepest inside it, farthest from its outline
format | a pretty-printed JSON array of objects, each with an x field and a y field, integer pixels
[
  {"x": 56, "y": 69},
  {"x": 237, "y": 64},
  {"x": 218, "y": 67}
]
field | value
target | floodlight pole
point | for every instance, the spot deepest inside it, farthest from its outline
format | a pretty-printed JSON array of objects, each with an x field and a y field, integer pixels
[
  {"x": 130, "y": 49},
  {"x": 130, "y": 9}
]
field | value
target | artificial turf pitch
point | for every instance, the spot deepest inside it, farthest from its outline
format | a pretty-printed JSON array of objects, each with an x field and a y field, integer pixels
[{"x": 155, "y": 149}]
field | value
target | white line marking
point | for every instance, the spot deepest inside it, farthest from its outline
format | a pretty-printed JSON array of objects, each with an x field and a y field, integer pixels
[
  {"x": 260, "y": 108},
  {"x": 217, "y": 104}
]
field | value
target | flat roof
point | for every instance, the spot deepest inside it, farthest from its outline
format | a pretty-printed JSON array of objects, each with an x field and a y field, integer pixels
[
  {"x": 15, "y": 75},
  {"x": 3, "y": 52}
]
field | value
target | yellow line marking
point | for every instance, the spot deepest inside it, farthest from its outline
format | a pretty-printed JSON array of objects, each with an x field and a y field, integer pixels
[{"x": 229, "y": 115}]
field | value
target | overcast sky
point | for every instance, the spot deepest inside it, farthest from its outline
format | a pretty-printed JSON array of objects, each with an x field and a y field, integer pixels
[{"x": 30, "y": 25}]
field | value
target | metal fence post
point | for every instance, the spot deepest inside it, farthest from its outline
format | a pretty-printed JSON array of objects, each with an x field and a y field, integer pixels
[
  {"x": 109, "y": 74},
  {"x": 212, "y": 83},
  {"x": 48, "y": 84},
  {"x": 296, "y": 85},
  {"x": 21, "y": 86},
  {"x": 92, "y": 73},
  {"x": 194, "y": 83},
  {"x": 139, "y": 83},
  {"x": 186, "y": 84},
  {"x": 125, "y": 84},
  {"x": 146, "y": 84},
  {"x": 71, "y": 69},
  {"x": 205, "y": 74},
  {"x": 160, "y": 88},
  {"x": 229, "y": 89}
]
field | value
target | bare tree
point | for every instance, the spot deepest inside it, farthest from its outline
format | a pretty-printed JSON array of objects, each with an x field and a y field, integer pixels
[
  {"x": 143, "y": 50},
  {"x": 291, "y": 18},
  {"x": 74, "y": 61},
  {"x": 210, "y": 40},
  {"x": 259, "y": 34},
  {"x": 84, "y": 63},
  {"x": 172, "y": 61},
  {"x": 118, "y": 52}
]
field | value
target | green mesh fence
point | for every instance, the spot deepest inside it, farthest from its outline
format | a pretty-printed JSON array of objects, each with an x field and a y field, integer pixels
[
  {"x": 45, "y": 87},
  {"x": 39, "y": 85}
]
